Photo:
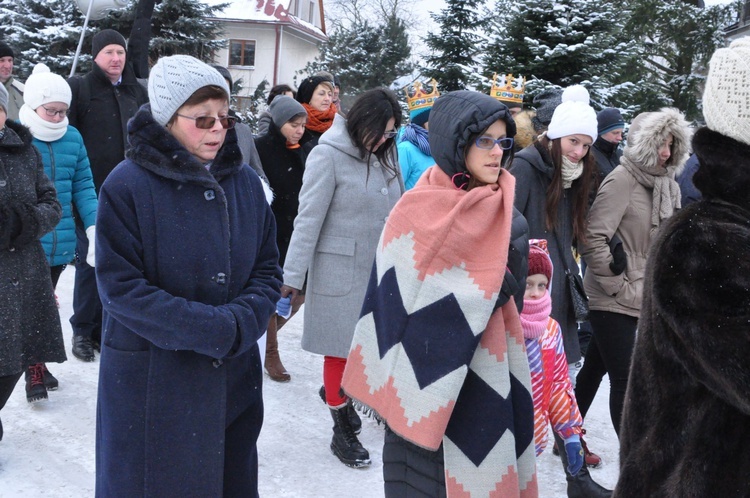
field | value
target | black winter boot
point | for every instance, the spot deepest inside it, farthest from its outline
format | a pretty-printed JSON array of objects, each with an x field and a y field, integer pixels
[
  {"x": 354, "y": 419},
  {"x": 580, "y": 485},
  {"x": 35, "y": 390},
  {"x": 345, "y": 444},
  {"x": 50, "y": 381}
]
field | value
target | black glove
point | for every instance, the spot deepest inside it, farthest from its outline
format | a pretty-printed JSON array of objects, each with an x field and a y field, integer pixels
[
  {"x": 28, "y": 228},
  {"x": 507, "y": 290},
  {"x": 619, "y": 259},
  {"x": 10, "y": 226}
]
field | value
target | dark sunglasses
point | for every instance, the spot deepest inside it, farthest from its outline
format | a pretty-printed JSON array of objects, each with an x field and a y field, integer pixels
[{"x": 208, "y": 122}]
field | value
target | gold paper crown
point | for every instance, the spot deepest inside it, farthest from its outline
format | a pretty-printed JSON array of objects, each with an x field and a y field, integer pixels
[
  {"x": 421, "y": 96},
  {"x": 506, "y": 88}
]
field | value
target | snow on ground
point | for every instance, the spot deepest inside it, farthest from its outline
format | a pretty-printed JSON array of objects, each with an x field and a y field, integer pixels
[{"x": 48, "y": 448}]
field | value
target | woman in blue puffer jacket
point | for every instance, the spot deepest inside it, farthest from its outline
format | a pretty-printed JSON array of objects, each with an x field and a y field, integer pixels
[{"x": 47, "y": 100}]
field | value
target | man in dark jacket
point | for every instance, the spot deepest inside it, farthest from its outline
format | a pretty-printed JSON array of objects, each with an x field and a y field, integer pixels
[
  {"x": 103, "y": 101},
  {"x": 606, "y": 149}
]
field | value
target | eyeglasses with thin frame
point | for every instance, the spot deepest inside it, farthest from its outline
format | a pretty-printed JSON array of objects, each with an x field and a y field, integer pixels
[
  {"x": 487, "y": 143},
  {"x": 53, "y": 112},
  {"x": 390, "y": 134},
  {"x": 208, "y": 122}
]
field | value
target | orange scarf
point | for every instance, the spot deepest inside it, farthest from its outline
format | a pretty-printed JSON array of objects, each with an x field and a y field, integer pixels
[{"x": 319, "y": 121}]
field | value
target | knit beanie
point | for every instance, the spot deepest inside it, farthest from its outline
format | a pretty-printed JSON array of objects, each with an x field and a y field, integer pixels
[
  {"x": 609, "y": 119},
  {"x": 545, "y": 104},
  {"x": 224, "y": 72},
  {"x": 174, "y": 79},
  {"x": 106, "y": 37},
  {"x": 726, "y": 98},
  {"x": 5, "y": 50},
  {"x": 574, "y": 116},
  {"x": 4, "y": 98},
  {"x": 43, "y": 87},
  {"x": 539, "y": 262},
  {"x": 308, "y": 86},
  {"x": 283, "y": 108}
]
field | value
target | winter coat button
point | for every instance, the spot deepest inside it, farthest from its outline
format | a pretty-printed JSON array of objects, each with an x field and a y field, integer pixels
[
  {"x": 14, "y": 281},
  {"x": 209, "y": 195},
  {"x": 220, "y": 278},
  {"x": 3, "y": 183},
  {"x": 384, "y": 191}
]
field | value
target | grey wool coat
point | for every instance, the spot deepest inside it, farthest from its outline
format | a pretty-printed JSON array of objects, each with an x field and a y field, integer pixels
[
  {"x": 342, "y": 211},
  {"x": 533, "y": 174},
  {"x": 30, "y": 329}
]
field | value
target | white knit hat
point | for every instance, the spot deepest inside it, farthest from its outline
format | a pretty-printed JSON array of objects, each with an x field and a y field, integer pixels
[
  {"x": 574, "y": 116},
  {"x": 43, "y": 87},
  {"x": 726, "y": 99},
  {"x": 174, "y": 79}
]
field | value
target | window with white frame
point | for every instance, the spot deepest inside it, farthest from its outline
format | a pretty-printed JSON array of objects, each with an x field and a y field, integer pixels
[
  {"x": 312, "y": 13},
  {"x": 242, "y": 53}
]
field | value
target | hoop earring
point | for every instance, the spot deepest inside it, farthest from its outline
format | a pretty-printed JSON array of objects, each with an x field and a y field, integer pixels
[{"x": 461, "y": 180}]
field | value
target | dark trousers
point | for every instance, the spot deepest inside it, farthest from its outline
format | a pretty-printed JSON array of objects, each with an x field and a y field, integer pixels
[
  {"x": 87, "y": 308},
  {"x": 410, "y": 471},
  {"x": 7, "y": 384},
  {"x": 55, "y": 272},
  {"x": 610, "y": 352}
]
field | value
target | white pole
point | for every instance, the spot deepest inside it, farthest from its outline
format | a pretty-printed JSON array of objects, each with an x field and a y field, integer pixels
[{"x": 80, "y": 41}]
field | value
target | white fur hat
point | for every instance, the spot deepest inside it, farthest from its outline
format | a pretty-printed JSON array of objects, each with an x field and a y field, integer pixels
[
  {"x": 43, "y": 87},
  {"x": 174, "y": 79},
  {"x": 574, "y": 115},
  {"x": 726, "y": 99}
]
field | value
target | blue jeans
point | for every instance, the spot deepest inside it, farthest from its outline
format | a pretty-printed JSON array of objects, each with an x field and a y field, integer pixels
[{"x": 87, "y": 308}]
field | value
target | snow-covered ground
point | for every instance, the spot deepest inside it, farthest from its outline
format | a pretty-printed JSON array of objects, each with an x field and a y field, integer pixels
[{"x": 48, "y": 448}]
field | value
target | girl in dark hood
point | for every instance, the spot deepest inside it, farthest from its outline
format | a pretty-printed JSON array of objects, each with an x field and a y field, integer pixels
[{"x": 439, "y": 302}]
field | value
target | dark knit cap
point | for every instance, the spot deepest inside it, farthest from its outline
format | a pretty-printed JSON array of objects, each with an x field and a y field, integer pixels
[
  {"x": 284, "y": 108},
  {"x": 106, "y": 37},
  {"x": 5, "y": 50},
  {"x": 308, "y": 86},
  {"x": 421, "y": 117},
  {"x": 539, "y": 262},
  {"x": 609, "y": 119},
  {"x": 225, "y": 73},
  {"x": 545, "y": 104}
]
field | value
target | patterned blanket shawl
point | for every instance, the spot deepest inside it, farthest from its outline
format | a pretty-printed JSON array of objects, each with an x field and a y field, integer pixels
[{"x": 432, "y": 354}]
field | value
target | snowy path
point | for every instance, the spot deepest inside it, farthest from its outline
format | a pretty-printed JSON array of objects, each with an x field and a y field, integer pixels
[{"x": 48, "y": 448}]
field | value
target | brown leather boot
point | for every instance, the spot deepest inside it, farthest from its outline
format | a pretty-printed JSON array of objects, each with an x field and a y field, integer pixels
[{"x": 274, "y": 368}]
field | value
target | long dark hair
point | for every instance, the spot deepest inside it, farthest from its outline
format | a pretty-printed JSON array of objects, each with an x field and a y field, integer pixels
[
  {"x": 366, "y": 122},
  {"x": 581, "y": 188}
]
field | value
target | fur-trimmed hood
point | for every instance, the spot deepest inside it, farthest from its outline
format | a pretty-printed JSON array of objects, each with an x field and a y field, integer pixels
[
  {"x": 19, "y": 139},
  {"x": 646, "y": 134}
]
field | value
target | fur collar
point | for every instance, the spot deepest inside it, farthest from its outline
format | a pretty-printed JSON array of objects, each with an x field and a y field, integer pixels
[
  {"x": 154, "y": 148},
  {"x": 17, "y": 137},
  {"x": 724, "y": 172},
  {"x": 643, "y": 144}
]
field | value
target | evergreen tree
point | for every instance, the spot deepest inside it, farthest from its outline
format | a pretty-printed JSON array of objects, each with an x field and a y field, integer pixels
[
  {"x": 365, "y": 54},
  {"x": 560, "y": 42},
  {"x": 48, "y": 31},
  {"x": 675, "y": 40},
  {"x": 455, "y": 47}
]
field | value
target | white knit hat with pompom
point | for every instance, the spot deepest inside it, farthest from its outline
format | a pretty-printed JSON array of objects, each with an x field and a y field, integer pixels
[
  {"x": 574, "y": 116},
  {"x": 726, "y": 99},
  {"x": 44, "y": 87}
]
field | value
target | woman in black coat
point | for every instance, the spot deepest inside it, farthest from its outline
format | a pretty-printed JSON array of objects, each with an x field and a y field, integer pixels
[
  {"x": 283, "y": 159},
  {"x": 30, "y": 331}
]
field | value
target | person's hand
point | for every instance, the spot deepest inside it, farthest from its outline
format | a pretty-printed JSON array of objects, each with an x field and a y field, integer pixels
[
  {"x": 507, "y": 290},
  {"x": 90, "y": 255},
  {"x": 619, "y": 259},
  {"x": 291, "y": 292},
  {"x": 574, "y": 452},
  {"x": 284, "y": 307}
]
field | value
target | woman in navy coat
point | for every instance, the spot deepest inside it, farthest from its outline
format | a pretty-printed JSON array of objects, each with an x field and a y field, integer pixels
[{"x": 188, "y": 273}]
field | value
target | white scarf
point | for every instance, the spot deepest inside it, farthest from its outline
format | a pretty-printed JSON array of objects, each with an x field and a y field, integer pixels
[
  {"x": 41, "y": 129},
  {"x": 570, "y": 171}
]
